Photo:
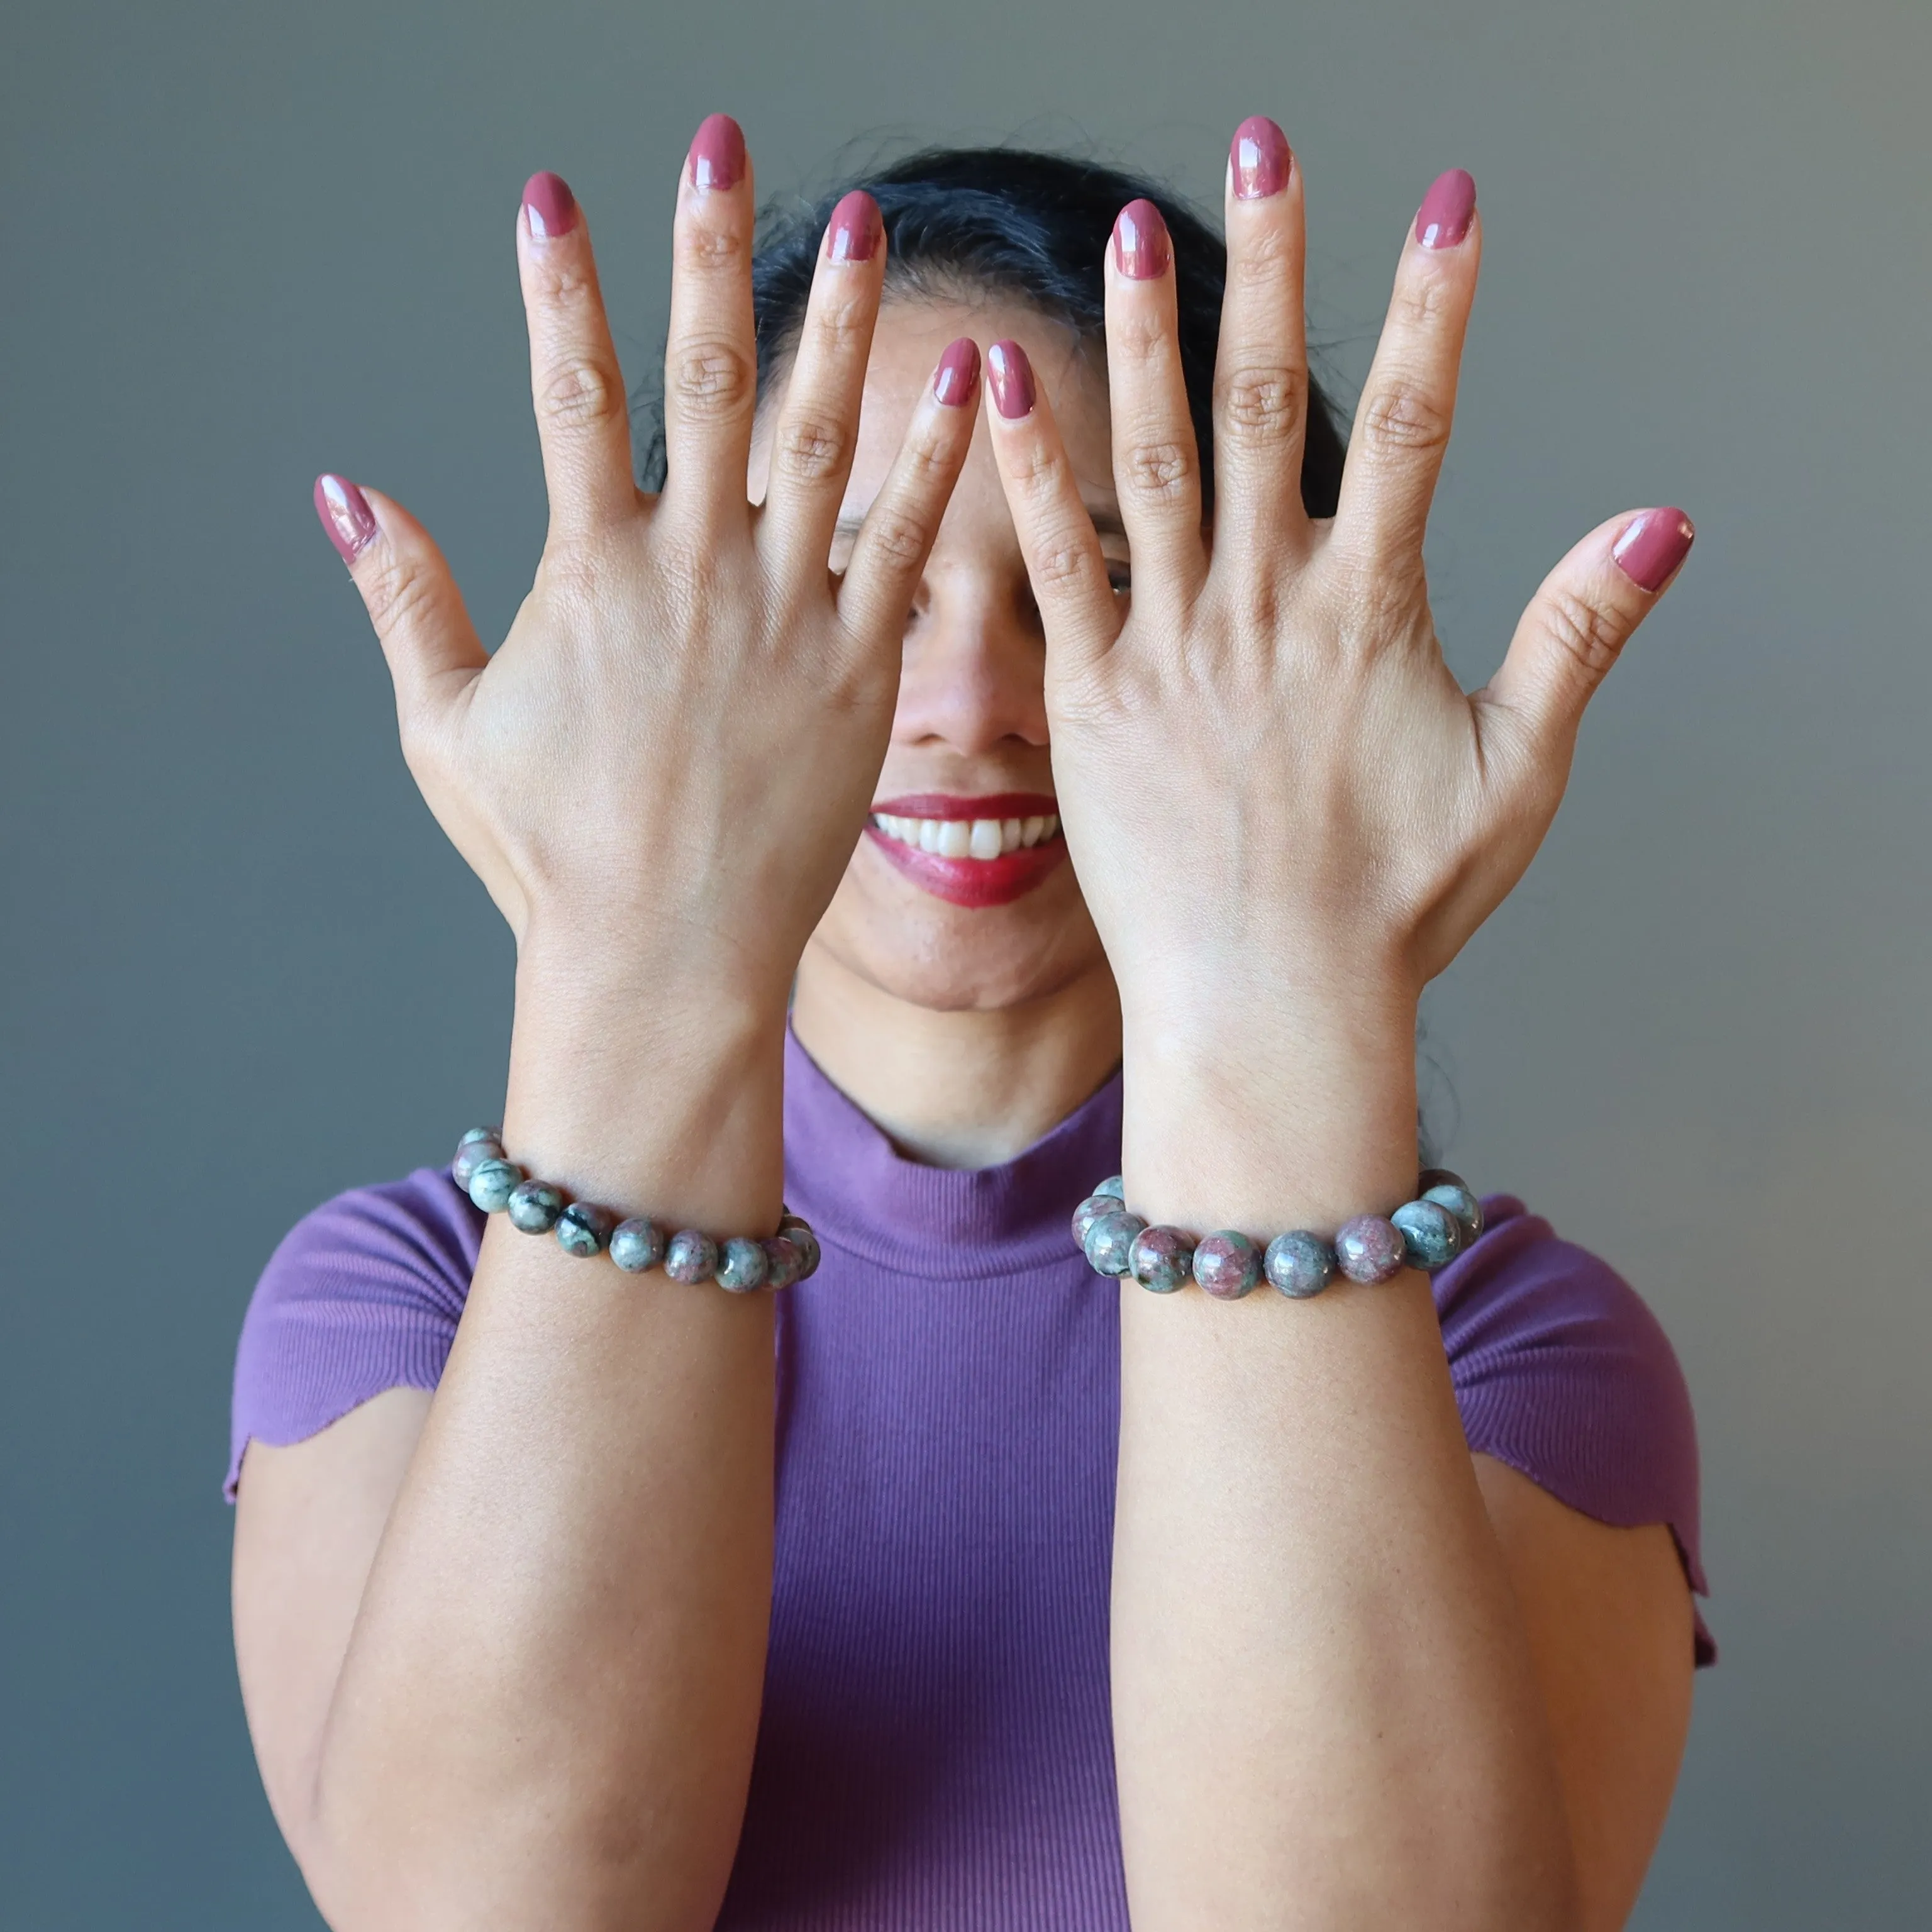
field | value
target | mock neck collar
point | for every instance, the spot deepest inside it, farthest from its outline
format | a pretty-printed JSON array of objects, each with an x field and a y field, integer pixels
[{"x": 861, "y": 1195}]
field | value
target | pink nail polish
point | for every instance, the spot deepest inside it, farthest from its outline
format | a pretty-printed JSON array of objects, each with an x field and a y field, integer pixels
[
  {"x": 1011, "y": 376},
  {"x": 856, "y": 229},
  {"x": 1651, "y": 546},
  {"x": 718, "y": 153},
  {"x": 346, "y": 516},
  {"x": 1261, "y": 159},
  {"x": 959, "y": 371},
  {"x": 549, "y": 206},
  {"x": 1141, "y": 251},
  {"x": 1447, "y": 210}
]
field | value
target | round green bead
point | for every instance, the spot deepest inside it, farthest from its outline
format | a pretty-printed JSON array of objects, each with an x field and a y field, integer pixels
[
  {"x": 1162, "y": 1260},
  {"x": 1431, "y": 1236},
  {"x": 583, "y": 1229},
  {"x": 1299, "y": 1264},
  {"x": 534, "y": 1206},
  {"x": 478, "y": 1146},
  {"x": 797, "y": 1230},
  {"x": 1114, "y": 1186},
  {"x": 1227, "y": 1265},
  {"x": 1462, "y": 1202},
  {"x": 691, "y": 1257},
  {"x": 1110, "y": 1242},
  {"x": 494, "y": 1182},
  {"x": 785, "y": 1262},
  {"x": 637, "y": 1245},
  {"x": 741, "y": 1265}
]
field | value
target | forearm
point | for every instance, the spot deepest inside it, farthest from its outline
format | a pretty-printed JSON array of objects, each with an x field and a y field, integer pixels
[
  {"x": 547, "y": 1713},
  {"x": 1324, "y": 1710}
]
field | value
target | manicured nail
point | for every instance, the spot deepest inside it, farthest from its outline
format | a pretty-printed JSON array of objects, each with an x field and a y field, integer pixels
[
  {"x": 718, "y": 153},
  {"x": 1011, "y": 376},
  {"x": 855, "y": 228},
  {"x": 1140, "y": 250},
  {"x": 549, "y": 206},
  {"x": 346, "y": 516},
  {"x": 1652, "y": 546},
  {"x": 958, "y": 370},
  {"x": 1447, "y": 209},
  {"x": 1260, "y": 158}
]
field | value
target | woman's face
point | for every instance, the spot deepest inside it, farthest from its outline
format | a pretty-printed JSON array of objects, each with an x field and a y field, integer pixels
[{"x": 967, "y": 925}]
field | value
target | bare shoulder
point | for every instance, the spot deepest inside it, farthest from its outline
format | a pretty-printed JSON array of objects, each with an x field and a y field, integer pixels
[{"x": 1609, "y": 1615}]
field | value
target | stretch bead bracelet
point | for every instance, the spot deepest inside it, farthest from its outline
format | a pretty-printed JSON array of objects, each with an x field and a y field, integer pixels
[
  {"x": 742, "y": 1264},
  {"x": 1427, "y": 1233}
]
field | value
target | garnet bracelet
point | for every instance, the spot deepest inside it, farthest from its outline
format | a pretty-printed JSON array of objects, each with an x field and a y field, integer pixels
[
  {"x": 1427, "y": 1233},
  {"x": 742, "y": 1263}
]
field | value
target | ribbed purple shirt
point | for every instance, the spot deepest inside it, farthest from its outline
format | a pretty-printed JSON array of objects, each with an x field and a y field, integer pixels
[{"x": 936, "y": 1748}]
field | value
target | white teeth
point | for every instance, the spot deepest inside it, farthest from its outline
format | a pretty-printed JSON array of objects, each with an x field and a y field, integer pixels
[{"x": 980, "y": 838}]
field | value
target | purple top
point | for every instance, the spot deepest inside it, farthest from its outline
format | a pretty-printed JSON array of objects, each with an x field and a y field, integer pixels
[{"x": 936, "y": 1748}]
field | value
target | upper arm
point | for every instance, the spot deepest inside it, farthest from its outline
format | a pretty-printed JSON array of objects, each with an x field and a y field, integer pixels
[
  {"x": 308, "y": 1518},
  {"x": 1609, "y": 1615}
]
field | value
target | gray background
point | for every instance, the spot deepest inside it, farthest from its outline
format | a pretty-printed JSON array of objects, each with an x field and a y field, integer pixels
[{"x": 241, "y": 970}]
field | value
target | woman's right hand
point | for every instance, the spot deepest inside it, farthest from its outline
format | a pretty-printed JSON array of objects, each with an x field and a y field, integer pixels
[{"x": 669, "y": 760}]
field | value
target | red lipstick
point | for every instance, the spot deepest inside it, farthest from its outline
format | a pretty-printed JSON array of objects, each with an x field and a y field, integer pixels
[{"x": 971, "y": 882}]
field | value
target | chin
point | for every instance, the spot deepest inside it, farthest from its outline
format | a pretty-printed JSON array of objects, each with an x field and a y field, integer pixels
[{"x": 914, "y": 946}]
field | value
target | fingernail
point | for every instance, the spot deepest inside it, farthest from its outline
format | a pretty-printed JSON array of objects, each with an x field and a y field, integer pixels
[
  {"x": 346, "y": 516},
  {"x": 1447, "y": 209},
  {"x": 1652, "y": 546},
  {"x": 549, "y": 206},
  {"x": 1140, "y": 250},
  {"x": 1260, "y": 158},
  {"x": 1011, "y": 376},
  {"x": 718, "y": 153},
  {"x": 855, "y": 228},
  {"x": 958, "y": 370}
]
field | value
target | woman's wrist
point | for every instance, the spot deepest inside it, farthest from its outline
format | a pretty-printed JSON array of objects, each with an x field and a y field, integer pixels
[
  {"x": 644, "y": 1086},
  {"x": 1286, "y": 1104}
]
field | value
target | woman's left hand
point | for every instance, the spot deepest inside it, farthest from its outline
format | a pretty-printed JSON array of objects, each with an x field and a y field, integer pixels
[{"x": 1275, "y": 792}]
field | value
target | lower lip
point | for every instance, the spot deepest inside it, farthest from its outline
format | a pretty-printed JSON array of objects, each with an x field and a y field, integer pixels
[{"x": 974, "y": 882}]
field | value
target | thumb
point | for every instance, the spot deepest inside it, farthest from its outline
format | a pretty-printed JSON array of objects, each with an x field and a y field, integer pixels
[
  {"x": 433, "y": 649},
  {"x": 1579, "y": 620}
]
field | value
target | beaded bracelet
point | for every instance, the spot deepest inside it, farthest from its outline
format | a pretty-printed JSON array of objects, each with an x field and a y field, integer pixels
[
  {"x": 1427, "y": 1233},
  {"x": 743, "y": 1263}
]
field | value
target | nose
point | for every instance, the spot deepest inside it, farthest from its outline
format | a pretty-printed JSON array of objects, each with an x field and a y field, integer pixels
[{"x": 974, "y": 674}]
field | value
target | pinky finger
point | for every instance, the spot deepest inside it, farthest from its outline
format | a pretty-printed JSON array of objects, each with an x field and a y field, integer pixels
[
  {"x": 433, "y": 649},
  {"x": 1578, "y": 622},
  {"x": 897, "y": 536}
]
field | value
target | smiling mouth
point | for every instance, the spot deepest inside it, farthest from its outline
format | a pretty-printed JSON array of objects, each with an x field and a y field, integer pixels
[{"x": 973, "y": 852}]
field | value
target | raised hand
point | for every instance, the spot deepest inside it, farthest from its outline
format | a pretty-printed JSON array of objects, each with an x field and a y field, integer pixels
[
  {"x": 670, "y": 756},
  {"x": 1273, "y": 788}
]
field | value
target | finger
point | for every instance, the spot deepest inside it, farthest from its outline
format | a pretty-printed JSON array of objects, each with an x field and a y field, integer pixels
[
  {"x": 433, "y": 649},
  {"x": 1063, "y": 560},
  {"x": 818, "y": 425},
  {"x": 1402, "y": 423},
  {"x": 896, "y": 537},
  {"x": 1579, "y": 622},
  {"x": 711, "y": 356},
  {"x": 1157, "y": 464},
  {"x": 1261, "y": 367},
  {"x": 583, "y": 424}
]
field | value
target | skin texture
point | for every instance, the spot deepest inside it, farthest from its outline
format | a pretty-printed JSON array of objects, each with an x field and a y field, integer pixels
[{"x": 501, "y": 1649}]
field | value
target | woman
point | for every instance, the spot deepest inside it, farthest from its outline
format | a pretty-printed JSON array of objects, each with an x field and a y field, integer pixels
[{"x": 951, "y": 1587}]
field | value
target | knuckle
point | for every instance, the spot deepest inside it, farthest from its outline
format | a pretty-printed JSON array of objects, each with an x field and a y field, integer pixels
[
  {"x": 1590, "y": 636},
  {"x": 808, "y": 449},
  {"x": 1257, "y": 263},
  {"x": 711, "y": 379},
  {"x": 1159, "y": 469},
  {"x": 711, "y": 251},
  {"x": 399, "y": 594},
  {"x": 841, "y": 323},
  {"x": 895, "y": 537},
  {"x": 1262, "y": 404},
  {"x": 1422, "y": 299},
  {"x": 580, "y": 394},
  {"x": 1060, "y": 563},
  {"x": 1402, "y": 418}
]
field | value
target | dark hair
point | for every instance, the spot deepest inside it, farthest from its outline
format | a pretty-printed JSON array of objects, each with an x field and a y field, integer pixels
[{"x": 1032, "y": 226}]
